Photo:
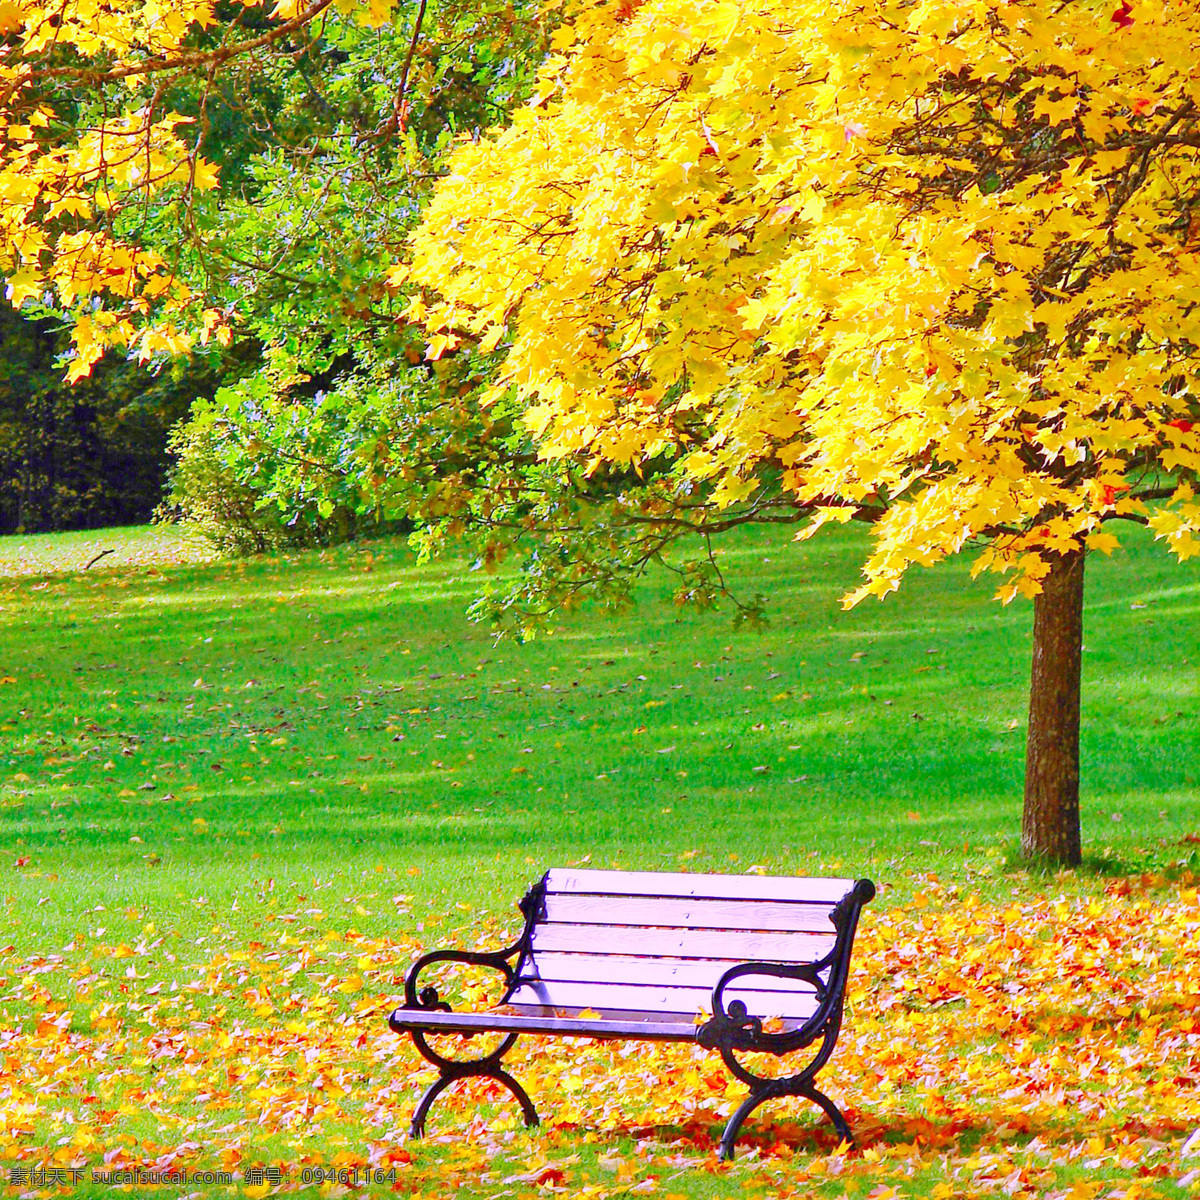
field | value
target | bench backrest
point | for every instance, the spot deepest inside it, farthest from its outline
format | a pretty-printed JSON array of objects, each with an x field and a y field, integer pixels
[{"x": 642, "y": 942}]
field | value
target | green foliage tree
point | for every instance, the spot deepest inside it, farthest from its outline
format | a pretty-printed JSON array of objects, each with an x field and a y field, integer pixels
[
  {"x": 342, "y": 426},
  {"x": 326, "y": 127}
]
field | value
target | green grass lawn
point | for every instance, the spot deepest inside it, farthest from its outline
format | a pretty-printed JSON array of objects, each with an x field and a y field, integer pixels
[
  {"x": 183, "y": 727},
  {"x": 321, "y": 745}
]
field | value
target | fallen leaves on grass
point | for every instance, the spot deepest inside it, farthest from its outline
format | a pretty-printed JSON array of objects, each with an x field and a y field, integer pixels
[{"x": 1047, "y": 1047}]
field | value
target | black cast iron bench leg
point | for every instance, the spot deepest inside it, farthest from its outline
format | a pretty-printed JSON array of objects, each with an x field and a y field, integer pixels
[
  {"x": 768, "y": 1093},
  {"x": 787, "y": 1088},
  {"x": 451, "y": 1071},
  {"x": 762, "y": 1090}
]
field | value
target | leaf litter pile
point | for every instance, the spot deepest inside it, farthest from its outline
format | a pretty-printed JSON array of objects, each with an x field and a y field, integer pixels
[{"x": 1047, "y": 1047}]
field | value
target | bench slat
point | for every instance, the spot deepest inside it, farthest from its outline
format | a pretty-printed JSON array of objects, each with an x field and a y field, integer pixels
[
  {"x": 628, "y": 1026},
  {"x": 631, "y": 997},
  {"x": 738, "y": 946},
  {"x": 712, "y": 887},
  {"x": 644, "y": 971},
  {"x": 659, "y": 912}
]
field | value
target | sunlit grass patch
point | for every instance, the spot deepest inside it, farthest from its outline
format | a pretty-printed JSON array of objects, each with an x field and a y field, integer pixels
[{"x": 119, "y": 549}]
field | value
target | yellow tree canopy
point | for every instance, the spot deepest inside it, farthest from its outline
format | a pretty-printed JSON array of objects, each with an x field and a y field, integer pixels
[
  {"x": 87, "y": 136},
  {"x": 931, "y": 262}
]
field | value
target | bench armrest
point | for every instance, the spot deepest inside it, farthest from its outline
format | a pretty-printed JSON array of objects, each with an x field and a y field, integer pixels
[
  {"x": 428, "y": 998},
  {"x": 733, "y": 1028}
]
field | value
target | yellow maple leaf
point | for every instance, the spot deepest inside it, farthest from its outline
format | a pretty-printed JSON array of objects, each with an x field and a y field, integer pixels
[{"x": 1106, "y": 543}]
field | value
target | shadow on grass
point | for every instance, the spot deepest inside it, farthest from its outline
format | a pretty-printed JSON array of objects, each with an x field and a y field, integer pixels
[
  {"x": 963, "y": 1134},
  {"x": 1153, "y": 866}
]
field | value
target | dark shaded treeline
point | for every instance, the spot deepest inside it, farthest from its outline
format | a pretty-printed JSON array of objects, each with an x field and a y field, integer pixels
[{"x": 90, "y": 455}]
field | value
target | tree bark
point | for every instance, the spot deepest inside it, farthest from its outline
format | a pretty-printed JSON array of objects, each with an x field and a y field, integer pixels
[{"x": 1050, "y": 822}]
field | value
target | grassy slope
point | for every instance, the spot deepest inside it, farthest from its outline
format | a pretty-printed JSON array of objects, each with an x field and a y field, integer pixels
[{"x": 334, "y": 713}]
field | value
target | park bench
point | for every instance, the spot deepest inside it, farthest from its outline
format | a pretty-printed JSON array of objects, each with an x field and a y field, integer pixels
[{"x": 649, "y": 956}]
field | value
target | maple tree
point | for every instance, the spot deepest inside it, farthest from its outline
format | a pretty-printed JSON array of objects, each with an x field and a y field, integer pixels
[{"x": 926, "y": 264}]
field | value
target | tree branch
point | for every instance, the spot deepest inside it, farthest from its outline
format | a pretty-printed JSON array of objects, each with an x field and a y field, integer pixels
[{"x": 152, "y": 66}]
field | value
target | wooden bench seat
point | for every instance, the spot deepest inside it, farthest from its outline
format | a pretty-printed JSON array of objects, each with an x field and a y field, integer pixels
[{"x": 733, "y": 962}]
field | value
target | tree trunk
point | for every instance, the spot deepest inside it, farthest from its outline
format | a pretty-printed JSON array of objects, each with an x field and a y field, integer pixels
[{"x": 1050, "y": 822}]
